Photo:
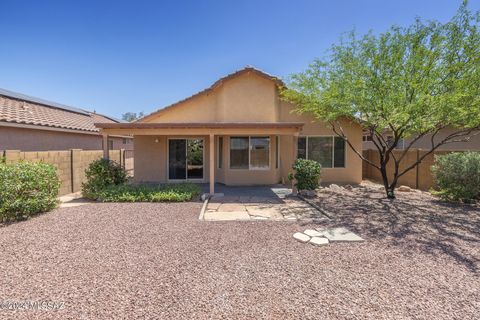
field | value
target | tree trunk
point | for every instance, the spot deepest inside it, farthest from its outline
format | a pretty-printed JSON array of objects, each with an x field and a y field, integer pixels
[{"x": 389, "y": 189}]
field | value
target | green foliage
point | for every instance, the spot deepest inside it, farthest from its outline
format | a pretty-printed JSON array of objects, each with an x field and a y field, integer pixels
[
  {"x": 410, "y": 79},
  {"x": 132, "y": 116},
  {"x": 307, "y": 174},
  {"x": 27, "y": 188},
  {"x": 148, "y": 193},
  {"x": 100, "y": 174},
  {"x": 458, "y": 176}
]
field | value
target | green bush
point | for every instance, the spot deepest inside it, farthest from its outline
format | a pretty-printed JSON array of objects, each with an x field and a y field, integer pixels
[
  {"x": 457, "y": 176},
  {"x": 27, "y": 188},
  {"x": 100, "y": 174},
  {"x": 307, "y": 174},
  {"x": 148, "y": 193}
]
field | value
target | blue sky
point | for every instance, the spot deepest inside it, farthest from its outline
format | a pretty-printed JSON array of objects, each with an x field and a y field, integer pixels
[{"x": 119, "y": 56}]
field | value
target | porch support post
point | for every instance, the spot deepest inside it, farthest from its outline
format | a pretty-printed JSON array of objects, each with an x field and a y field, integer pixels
[
  {"x": 294, "y": 157},
  {"x": 211, "y": 163},
  {"x": 105, "y": 146}
]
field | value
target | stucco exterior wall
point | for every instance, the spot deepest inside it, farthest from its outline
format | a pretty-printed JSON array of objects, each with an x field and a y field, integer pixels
[
  {"x": 12, "y": 138},
  {"x": 352, "y": 173},
  {"x": 151, "y": 158}
]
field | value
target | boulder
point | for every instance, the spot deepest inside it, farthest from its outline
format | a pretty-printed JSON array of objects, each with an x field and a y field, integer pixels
[{"x": 404, "y": 189}]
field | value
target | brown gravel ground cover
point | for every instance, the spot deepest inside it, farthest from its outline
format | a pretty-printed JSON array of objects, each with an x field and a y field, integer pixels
[{"x": 158, "y": 261}]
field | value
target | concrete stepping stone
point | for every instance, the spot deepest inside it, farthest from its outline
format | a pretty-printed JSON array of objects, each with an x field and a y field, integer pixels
[
  {"x": 339, "y": 235},
  {"x": 301, "y": 237},
  {"x": 318, "y": 241},
  {"x": 312, "y": 233}
]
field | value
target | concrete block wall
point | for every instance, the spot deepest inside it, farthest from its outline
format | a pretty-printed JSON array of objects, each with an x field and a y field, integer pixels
[
  {"x": 70, "y": 164},
  {"x": 419, "y": 178}
]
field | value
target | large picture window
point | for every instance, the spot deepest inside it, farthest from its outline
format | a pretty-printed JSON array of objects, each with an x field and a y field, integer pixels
[
  {"x": 328, "y": 151},
  {"x": 249, "y": 153}
]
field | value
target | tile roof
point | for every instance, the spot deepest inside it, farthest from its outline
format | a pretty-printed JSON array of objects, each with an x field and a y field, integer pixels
[{"x": 22, "y": 109}]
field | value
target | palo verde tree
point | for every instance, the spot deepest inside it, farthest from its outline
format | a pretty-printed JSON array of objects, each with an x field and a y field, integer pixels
[{"x": 411, "y": 82}]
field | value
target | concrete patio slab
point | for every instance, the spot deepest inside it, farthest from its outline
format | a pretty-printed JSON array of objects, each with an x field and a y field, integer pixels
[
  {"x": 312, "y": 233},
  {"x": 227, "y": 216},
  {"x": 340, "y": 235},
  {"x": 259, "y": 203}
]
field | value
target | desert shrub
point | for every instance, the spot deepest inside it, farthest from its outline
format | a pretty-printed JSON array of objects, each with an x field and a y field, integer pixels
[
  {"x": 148, "y": 193},
  {"x": 27, "y": 188},
  {"x": 100, "y": 174},
  {"x": 457, "y": 176},
  {"x": 307, "y": 174}
]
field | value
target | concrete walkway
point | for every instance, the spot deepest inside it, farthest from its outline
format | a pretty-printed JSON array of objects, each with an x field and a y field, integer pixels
[
  {"x": 73, "y": 200},
  {"x": 259, "y": 203}
]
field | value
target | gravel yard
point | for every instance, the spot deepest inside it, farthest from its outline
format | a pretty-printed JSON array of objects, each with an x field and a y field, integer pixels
[{"x": 143, "y": 260}]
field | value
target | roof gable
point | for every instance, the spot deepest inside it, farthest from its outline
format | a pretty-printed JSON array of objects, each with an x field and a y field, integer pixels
[{"x": 216, "y": 84}]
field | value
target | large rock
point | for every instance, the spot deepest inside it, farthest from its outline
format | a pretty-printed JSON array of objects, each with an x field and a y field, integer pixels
[
  {"x": 301, "y": 237},
  {"x": 336, "y": 188},
  {"x": 404, "y": 189}
]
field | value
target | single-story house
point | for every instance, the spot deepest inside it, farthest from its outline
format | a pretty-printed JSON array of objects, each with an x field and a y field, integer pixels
[
  {"x": 237, "y": 132},
  {"x": 32, "y": 124}
]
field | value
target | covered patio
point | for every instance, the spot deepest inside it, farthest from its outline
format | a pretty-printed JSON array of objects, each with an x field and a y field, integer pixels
[{"x": 222, "y": 157}]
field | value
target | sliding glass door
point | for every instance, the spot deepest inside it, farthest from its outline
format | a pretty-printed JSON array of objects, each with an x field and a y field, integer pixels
[{"x": 185, "y": 159}]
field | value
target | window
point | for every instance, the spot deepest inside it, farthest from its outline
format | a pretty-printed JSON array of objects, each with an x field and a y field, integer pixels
[
  {"x": 259, "y": 152},
  {"x": 220, "y": 153},
  {"x": 302, "y": 148},
  {"x": 110, "y": 144},
  {"x": 239, "y": 153},
  {"x": 367, "y": 138},
  {"x": 249, "y": 153},
  {"x": 126, "y": 141},
  {"x": 328, "y": 151}
]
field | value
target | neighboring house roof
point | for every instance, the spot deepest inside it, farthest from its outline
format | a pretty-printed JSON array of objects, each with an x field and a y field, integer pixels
[
  {"x": 216, "y": 84},
  {"x": 22, "y": 109}
]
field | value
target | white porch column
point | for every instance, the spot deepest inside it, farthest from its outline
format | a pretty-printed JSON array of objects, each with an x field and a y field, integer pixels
[
  {"x": 211, "y": 163},
  {"x": 105, "y": 146}
]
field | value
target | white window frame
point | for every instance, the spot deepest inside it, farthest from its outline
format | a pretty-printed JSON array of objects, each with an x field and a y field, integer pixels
[
  {"x": 333, "y": 150},
  {"x": 250, "y": 168}
]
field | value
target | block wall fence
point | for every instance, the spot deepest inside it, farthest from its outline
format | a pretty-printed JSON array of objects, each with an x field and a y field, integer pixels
[
  {"x": 70, "y": 164},
  {"x": 419, "y": 177}
]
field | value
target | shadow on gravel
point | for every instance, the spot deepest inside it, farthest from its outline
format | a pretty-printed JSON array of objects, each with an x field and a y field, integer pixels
[{"x": 414, "y": 221}]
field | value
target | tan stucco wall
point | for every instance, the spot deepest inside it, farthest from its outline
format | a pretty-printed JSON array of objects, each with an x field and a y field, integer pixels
[
  {"x": 246, "y": 98},
  {"x": 352, "y": 173},
  {"x": 151, "y": 158},
  {"x": 12, "y": 138}
]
